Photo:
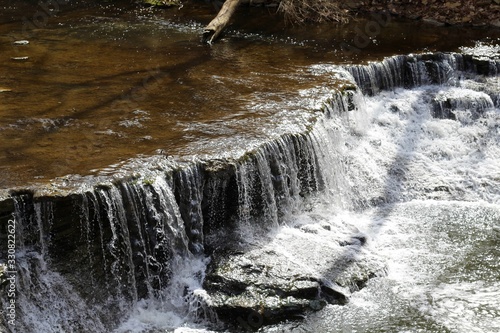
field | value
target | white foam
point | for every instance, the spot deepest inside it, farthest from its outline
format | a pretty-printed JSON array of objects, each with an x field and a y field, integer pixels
[
  {"x": 438, "y": 229},
  {"x": 176, "y": 307}
]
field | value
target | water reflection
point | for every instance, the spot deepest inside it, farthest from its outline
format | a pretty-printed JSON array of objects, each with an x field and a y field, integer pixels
[{"x": 104, "y": 83}]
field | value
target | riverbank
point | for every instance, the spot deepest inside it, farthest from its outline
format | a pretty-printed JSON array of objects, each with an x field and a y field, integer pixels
[{"x": 439, "y": 12}]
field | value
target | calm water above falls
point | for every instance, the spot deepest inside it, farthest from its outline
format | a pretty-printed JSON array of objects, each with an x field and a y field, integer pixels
[
  {"x": 413, "y": 172},
  {"x": 102, "y": 85}
]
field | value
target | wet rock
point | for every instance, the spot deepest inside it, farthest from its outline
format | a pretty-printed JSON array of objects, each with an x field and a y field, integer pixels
[
  {"x": 443, "y": 110},
  {"x": 3, "y": 277},
  {"x": 241, "y": 286},
  {"x": 474, "y": 104},
  {"x": 300, "y": 270}
]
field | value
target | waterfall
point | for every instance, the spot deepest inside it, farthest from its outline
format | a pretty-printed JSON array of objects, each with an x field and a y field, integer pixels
[
  {"x": 134, "y": 236},
  {"x": 409, "y": 71},
  {"x": 45, "y": 300},
  {"x": 108, "y": 256}
]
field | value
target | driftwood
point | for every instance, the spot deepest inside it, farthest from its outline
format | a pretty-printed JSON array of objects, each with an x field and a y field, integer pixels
[{"x": 217, "y": 25}]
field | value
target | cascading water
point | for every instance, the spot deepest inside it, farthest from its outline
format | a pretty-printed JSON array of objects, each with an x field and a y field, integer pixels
[
  {"x": 409, "y": 175},
  {"x": 140, "y": 242},
  {"x": 432, "y": 182}
]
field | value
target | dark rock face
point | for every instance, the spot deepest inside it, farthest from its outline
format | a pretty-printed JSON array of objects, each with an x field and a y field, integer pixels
[
  {"x": 300, "y": 270},
  {"x": 240, "y": 287}
]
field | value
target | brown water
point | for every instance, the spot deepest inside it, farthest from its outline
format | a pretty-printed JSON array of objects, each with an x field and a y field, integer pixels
[{"x": 101, "y": 85}]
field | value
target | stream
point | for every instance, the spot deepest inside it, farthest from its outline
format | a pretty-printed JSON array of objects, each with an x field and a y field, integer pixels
[{"x": 285, "y": 179}]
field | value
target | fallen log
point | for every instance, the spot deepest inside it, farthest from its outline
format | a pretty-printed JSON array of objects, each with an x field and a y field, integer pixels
[{"x": 217, "y": 25}]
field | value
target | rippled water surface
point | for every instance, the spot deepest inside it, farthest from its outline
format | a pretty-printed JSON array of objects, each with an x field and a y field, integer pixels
[{"x": 101, "y": 83}]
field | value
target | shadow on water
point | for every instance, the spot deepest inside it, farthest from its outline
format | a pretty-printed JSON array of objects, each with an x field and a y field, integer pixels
[
  {"x": 387, "y": 202},
  {"x": 393, "y": 193}
]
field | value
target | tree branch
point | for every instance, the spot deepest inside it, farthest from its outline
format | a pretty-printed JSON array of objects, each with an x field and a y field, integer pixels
[{"x": 217, "y": 25}]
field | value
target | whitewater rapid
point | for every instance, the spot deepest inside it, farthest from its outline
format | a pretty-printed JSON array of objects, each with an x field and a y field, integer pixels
[
  {"x": 436, "y": 224},
  {"x": 423, "y": 189}
]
